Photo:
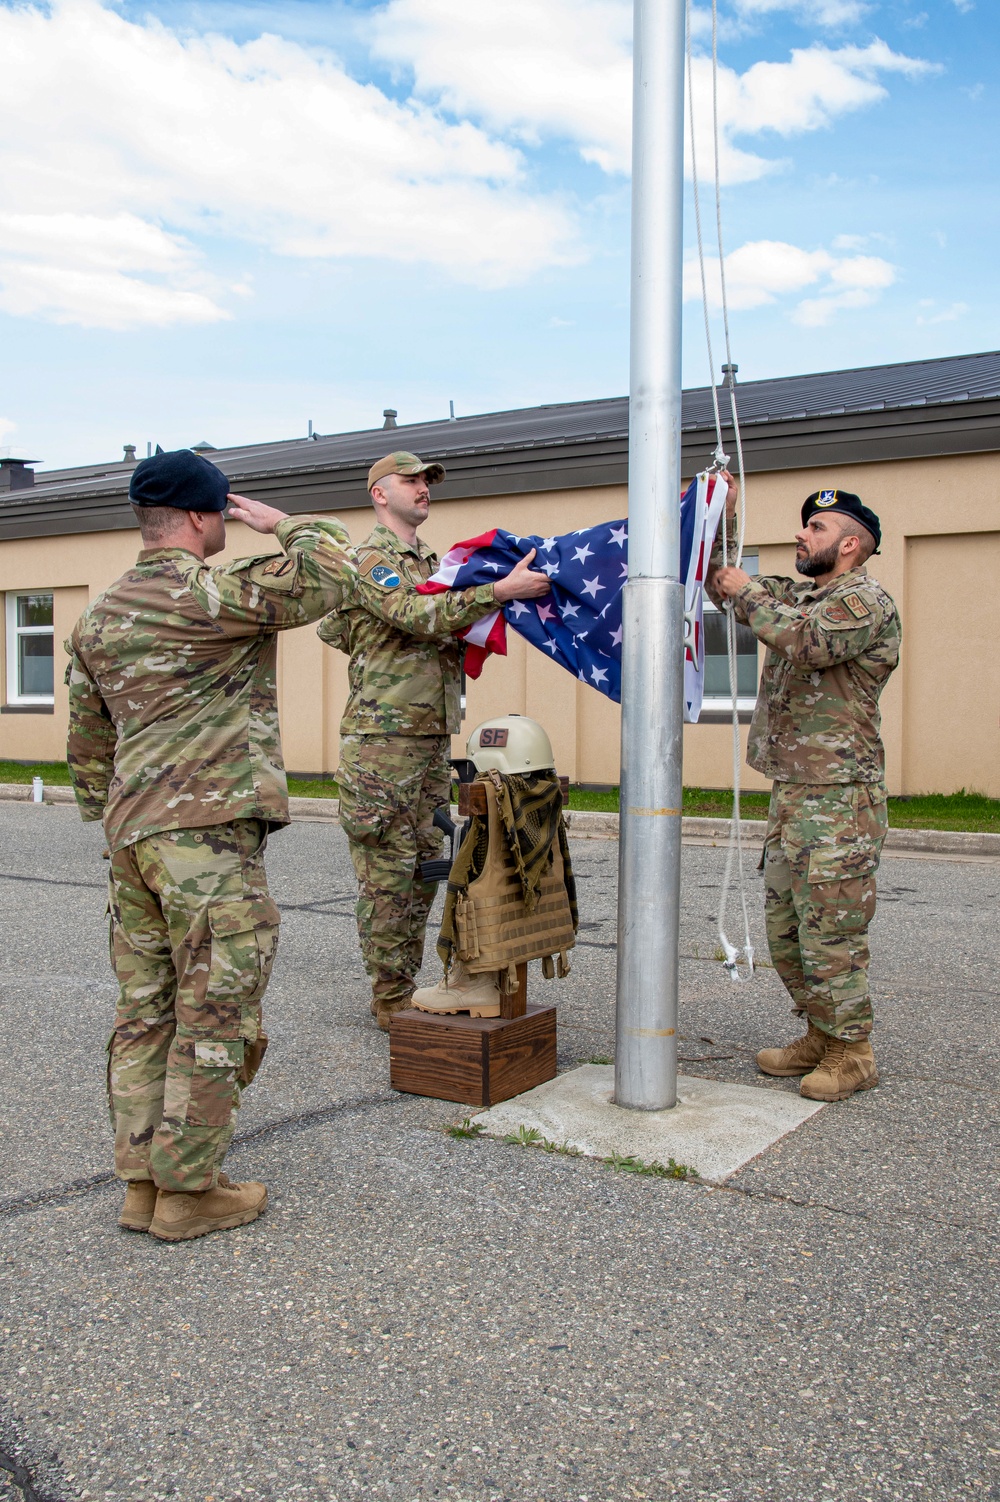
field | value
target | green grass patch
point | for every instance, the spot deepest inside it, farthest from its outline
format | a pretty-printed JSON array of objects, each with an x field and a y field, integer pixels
[
  {"x": 55, "y": 772},
  {"x": 963, "y": 811},
  {"x": 312, "y": 787}
]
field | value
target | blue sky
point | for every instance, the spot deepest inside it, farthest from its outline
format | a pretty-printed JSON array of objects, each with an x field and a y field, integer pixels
[{"x": 222, "y": 220}]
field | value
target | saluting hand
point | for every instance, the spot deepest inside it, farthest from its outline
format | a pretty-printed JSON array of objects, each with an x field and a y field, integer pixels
[
  {"x": 522, "y": 583},
  {"x": 254, "y": 514}
]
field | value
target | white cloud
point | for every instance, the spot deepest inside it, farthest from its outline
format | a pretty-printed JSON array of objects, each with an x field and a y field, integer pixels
[
  {"x": 118, "y": 141},
  {"x": 817, "y": 12},
  {"x": 558, "y": 68},
  {"x": 74, "y": 268},
  {"x": 946, "y": 315},
  {"x": 562, "y": 69},
  {"x": 763, "y": 271}
]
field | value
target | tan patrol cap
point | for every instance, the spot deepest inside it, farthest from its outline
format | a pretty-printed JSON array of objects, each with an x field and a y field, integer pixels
[{"x": 405, "y": 464}]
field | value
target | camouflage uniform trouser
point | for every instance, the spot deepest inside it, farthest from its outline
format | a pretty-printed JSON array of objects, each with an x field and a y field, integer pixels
[
  {"x": 821, "y": 853},
  {"x": 390, "y": 786},
  {"x": 193, "y": 935}
]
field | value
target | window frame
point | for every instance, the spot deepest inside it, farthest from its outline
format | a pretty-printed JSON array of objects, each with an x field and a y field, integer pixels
[
  {"x": 14, "y": 634},
  {"x": 723, "y": 703}
]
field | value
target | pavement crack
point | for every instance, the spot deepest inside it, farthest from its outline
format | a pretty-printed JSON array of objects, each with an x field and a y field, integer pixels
[
  {"x": 320, "y": 1113},
  {"x": 24, "y": 1203},
  {"x": 20, "y": 1203},
  {"x": 21, "y": 1477},
  {"x": 776, "y": 1196},
  {"x": 52, "y": 881}
]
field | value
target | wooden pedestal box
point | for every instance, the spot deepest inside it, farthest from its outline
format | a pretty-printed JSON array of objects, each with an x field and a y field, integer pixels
[{"x": 480, "y": 1061}]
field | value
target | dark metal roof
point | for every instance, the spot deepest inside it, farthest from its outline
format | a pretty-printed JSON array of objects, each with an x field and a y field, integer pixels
[{"x": 917, "y": 409}]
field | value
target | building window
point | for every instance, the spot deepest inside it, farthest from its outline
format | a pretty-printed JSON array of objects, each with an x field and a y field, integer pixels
[
  {"x": 30, "y": 659},
  {"x": 717, "y": 690}
]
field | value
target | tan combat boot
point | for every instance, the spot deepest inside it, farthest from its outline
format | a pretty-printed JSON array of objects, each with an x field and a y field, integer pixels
[
  {"x": 140, "y": 1201},
  {"x": 845, "y": 1068},
  {"x": 181, "y": 1217},
  {"x": 384, "y": 1015},
  {"x": 458, "y": 991},
  {"x": 798, "y": 1058}
]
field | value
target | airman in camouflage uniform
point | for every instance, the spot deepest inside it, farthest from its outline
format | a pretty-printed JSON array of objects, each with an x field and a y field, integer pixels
[
  {"x": 174, "y": 742},
  {"x": 403, "y": 707},
  {"x": 832, "y": 643}
]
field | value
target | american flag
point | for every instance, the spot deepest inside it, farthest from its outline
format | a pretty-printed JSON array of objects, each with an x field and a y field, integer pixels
[{"x": 579, "y": 624}]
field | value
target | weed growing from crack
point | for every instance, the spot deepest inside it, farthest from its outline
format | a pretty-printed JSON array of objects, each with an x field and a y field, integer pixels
[
  {"x": 526, "y": 1136},
  {"x": 669, "y": 1170}
]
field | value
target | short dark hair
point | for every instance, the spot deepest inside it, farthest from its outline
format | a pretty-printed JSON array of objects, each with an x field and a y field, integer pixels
[
  {"x": 850, "y": 528},
  {"x": 157, "y": 523}
]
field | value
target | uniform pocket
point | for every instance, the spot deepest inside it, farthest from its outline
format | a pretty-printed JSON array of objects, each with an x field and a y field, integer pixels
[
  {"x": 242, "y": 915},
  {"x": 841, "y": 862},
  {"x": 841, "y": 908},
  {"x": 363, "y": 820},
  {"x": 244, "y": 941},
  {"x": 218, "y": 1063}
]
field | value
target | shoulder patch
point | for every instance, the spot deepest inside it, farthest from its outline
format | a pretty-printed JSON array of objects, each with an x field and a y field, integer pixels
[
  {"x": 367, "y": 561},
  {"x": 384, "y": 576},
  {"x": 856, "y": 605},
  {"x": 279, "y": 566}
]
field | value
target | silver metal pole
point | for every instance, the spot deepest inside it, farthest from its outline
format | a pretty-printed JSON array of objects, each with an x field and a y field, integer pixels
[{"x": 653, "y": 607}]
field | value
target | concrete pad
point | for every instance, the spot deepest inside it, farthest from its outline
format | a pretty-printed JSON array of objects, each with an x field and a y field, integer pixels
[{"x": 715, "y": 1127}]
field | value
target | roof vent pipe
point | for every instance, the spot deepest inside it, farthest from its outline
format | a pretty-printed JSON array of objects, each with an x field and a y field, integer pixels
[
  {"x": 451, "y": 412},
  {"x": 390, "y": 414},
  {"x": 729, "y": 373},
  {"x": 129, "y": 453},
  {"x": 15, "y": 474}
]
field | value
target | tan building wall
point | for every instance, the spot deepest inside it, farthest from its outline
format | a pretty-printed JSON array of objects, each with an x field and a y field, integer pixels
[{"x": 940, "y": 560}]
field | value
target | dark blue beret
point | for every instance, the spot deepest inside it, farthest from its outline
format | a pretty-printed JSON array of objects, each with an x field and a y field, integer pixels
[
  {"x": 848, "y": 504},
  {"x": 180, "y": 479}
]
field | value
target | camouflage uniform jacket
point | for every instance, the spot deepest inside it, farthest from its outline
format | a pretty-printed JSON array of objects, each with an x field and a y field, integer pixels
[
  {"x": 406, "y": 666},
  {"x": 830, "y": 651},
  {"x": 173, "y": 719}
]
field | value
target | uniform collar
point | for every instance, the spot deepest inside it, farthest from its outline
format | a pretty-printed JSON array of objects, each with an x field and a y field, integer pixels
[
  {"x": 850, "y": 578},
  {"x": 385, "y": 538},
  {"x": 160, "y": 555}
]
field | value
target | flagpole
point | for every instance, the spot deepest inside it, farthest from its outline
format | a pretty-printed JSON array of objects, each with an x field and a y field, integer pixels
[{"x": 653, "y": 602}]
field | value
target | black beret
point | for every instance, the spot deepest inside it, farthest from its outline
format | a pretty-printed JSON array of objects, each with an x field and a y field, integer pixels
[
  {"x": 180, "y": 479},
  {"x": 848, "y": 504}
]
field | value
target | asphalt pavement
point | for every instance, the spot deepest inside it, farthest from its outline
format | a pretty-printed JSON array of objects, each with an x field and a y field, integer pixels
[{"x": 418, "y": 1316}]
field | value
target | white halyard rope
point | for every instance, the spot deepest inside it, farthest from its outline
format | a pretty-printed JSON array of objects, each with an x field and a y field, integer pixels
[{"x": 732, "y": 957}]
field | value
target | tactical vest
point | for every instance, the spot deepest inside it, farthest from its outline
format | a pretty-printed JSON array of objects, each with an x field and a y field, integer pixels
[{"x": 494, "y": 928}]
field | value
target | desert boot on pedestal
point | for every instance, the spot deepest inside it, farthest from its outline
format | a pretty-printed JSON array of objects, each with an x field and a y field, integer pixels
[{"x": 458, "y": 991}]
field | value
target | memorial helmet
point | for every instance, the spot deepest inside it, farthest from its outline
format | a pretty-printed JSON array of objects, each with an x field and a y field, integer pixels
[{"x": 510, "y": 743}]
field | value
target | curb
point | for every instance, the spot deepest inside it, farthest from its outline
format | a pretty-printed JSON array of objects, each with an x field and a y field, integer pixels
[{"x": 589, "y": 825}]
